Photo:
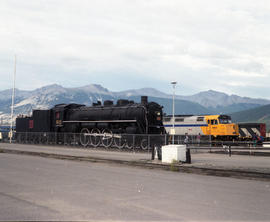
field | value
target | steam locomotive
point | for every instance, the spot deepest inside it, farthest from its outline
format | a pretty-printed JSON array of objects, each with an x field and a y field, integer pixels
[{"x": 108, "y": 124}]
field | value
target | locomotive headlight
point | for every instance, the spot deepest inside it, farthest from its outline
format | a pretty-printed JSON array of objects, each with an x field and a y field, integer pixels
[{"x": 158, "y": 116}]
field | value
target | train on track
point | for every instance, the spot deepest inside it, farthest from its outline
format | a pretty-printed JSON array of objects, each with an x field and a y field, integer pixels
[
  {"x": 219, "y": 127},
  {"x": 247, "y": 131},
  {"x": 100, "y": 124},
  {"x": 114, "y": 125}
]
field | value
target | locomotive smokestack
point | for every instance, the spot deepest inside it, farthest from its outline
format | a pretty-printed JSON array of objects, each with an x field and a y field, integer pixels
[{"x": 144, "y": 100}]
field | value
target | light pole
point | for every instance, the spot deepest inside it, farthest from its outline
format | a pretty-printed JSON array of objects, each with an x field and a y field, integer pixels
[
  {"x": 12, "y": 103},
  {"x": 173, "y": 129}
]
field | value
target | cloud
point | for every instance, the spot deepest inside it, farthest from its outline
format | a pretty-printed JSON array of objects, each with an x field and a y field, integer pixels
[{"x": 198, "y": 43}]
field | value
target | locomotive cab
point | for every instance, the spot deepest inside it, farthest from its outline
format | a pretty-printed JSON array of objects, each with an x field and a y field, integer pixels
[
  {"x": 60, "y": 113},
  {"x": 220, "y": 126}
]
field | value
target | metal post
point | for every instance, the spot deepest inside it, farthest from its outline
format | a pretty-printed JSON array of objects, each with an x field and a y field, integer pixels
[
  {"x": 148, "y": 143},
  {"x": 173, "y": 84},
  {"x": 12, "y": 103},
  {"x": 133, "y": 143},
  {"x": 210, "y": 143}
]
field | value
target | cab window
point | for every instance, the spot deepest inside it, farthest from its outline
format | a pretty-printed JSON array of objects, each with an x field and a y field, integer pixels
[
  {"x": 167, "y": 119},
  {"x": 214, "y": 122},
  {"x": 179, "y": 120},
  {"x": 200, "y": 119},
  {"x": 225, "y": 119}
]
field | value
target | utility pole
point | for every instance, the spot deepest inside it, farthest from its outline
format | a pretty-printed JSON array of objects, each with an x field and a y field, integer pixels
[
  {"x": 12, "y": 103},
  {"x": 173, "y": 129}
]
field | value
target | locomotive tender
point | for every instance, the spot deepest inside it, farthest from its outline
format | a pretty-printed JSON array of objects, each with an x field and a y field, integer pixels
[{"x": 98, "y": 124}]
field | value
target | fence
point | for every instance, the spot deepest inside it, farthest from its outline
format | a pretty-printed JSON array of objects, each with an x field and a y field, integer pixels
[
  {"x": 131, "y": 142},
  {"x": 107, "y": 140}
]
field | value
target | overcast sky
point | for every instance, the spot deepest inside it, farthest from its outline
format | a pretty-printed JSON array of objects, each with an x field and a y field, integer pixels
[{"x": 222, "y": 45}]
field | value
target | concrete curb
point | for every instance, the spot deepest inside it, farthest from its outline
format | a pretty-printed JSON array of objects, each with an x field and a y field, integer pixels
[
  {"x": 249, "y": 153},
  {"x": 240, "y": 174}
]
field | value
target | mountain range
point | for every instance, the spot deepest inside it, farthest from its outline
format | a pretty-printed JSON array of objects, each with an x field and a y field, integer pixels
[{"x": 207, "y": 102}]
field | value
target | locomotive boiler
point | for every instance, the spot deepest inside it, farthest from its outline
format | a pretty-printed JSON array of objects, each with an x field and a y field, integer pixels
[{"x": 108, "y": 124}]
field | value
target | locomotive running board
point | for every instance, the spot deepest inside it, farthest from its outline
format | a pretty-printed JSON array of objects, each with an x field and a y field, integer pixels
[
  {"x": 105, "y": 135},
  {"x": 101, "y": 121}
]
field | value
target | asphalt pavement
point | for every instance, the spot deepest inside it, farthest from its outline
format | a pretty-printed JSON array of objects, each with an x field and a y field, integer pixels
[
  {"x": 240, "y": 166},
  {"x": 47, "y": 189}
]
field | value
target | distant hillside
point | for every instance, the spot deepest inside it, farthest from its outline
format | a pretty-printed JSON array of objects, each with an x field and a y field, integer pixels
[
  {"x": 209, "y": 99},
  {"x": 208, "y": 102},
  {"x": 238, "y": 107},
  {"x": 260, "y": 114},
  {"x": 213, "y": 99},
  {"x": 182, "y": 107},
  {"x": 48, "y": 96}
]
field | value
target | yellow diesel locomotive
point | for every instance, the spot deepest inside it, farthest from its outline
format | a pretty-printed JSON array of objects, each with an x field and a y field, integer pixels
[{"x": 217, "y": 126}]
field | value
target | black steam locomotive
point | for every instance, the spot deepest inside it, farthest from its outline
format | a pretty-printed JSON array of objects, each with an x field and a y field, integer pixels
[{"x": 107, "y": 124}]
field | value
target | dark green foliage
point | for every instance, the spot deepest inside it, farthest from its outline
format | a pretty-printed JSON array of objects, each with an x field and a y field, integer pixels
[
  {"x": 234, "y": 108},
  {"x": 260, "y": 115}
]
